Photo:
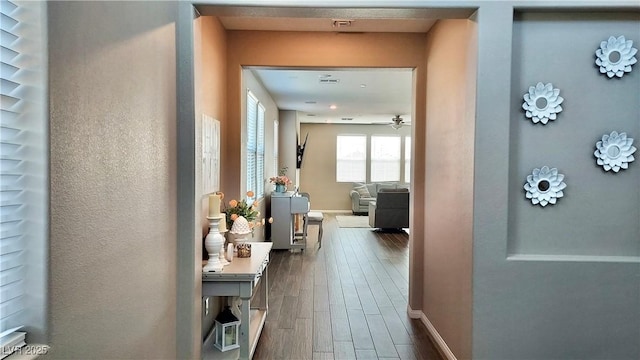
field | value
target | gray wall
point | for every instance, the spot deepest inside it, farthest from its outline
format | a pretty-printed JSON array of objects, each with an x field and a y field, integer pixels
[
  {"x": 597, "y": 204},
  {"x": 112, "y": 90},
  {"x": 545, "y": 285}
]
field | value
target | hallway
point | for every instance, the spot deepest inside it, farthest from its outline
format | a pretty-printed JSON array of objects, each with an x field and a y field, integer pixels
[{"x": 346, "y": 300}]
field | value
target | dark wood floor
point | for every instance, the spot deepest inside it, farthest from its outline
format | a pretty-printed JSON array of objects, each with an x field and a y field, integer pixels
[{"x": 346, "y": 300}]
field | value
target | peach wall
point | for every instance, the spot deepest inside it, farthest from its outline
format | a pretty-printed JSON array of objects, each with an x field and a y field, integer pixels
[
  {"x": 210, "y": 91},
  {"x": 447, "y": 300},
  {"x": 324, "y": 49},
  {"x": 211, "y": 96}
]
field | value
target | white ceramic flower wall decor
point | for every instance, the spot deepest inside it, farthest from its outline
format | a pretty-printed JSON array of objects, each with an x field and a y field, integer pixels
[
  {"x": 615, "y": 56},
  {"x": 615, "y": 151},
  {"x": 544, "y": 186},
  {"x": 542, "y": 103}
]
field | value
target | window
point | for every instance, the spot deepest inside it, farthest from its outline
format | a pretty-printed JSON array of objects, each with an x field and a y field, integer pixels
[
  {"x": 276, "y": 154},
  {"x": 23, "y": 172},
  {"x": 351, "y": 158},
  {"x": 385, "y": 158},
  {"x": 407, "y": 159},
  {"x": 255, "y": 145},
  {"x": 260, "y": 154}
]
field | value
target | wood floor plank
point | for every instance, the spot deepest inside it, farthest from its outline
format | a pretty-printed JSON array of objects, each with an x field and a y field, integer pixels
[
  {"x": 322, "y": 338},
  {"x": 343, "y": 350},
  {"x": 305, "y": 304},
  {"x": 321, "y": 298},
  {"x": 381, "y": 337},
  {"x": 351, "y": 299},
  {"x": 407, "y": 352},
  {"x": 287, "y": 318},
  {"x": 359, "y": 330},
  {"x": 340, "y": 329},
  {"x": 366, "y": 355},
  {"x": 369, "y": 305},
  {"x": 336, "y": 296},
  {"x": 302, "y": 344},
  {"x": 275, "y": 306},
  {"x": 322, "y": 356},
  {"x": 396, "y": 328}
]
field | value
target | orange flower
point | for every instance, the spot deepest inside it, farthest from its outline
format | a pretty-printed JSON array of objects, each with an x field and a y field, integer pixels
[
  {"x": 234, "y": 217},
  {"x": 233, "y": 203},
  {"x": 270, "y": 220},
  {"x": 250, "y": 194},
  {"x": 221, "y": 194}
]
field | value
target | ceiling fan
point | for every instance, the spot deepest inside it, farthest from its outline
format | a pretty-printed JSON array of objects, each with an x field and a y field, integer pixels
[{"x": 397, "y": 122}]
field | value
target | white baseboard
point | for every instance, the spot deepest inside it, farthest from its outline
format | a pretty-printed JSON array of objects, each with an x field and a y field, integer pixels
[
  {"x": 442, "y": 346},
  {"x": 414, "y": 314}
]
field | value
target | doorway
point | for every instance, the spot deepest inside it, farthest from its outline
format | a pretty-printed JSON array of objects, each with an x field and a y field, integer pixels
[{"x": 251, "y": 47}]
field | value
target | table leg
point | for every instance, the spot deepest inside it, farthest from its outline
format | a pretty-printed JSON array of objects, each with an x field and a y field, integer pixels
[{"x": 245, "y": 314}]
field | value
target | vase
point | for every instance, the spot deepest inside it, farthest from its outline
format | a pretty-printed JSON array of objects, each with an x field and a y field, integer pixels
[{"x": 281, "y": 188}]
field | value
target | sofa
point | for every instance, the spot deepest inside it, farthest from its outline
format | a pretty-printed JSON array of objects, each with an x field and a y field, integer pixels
[
  {"x": 390, "y": 210},
  {"x": 364, "y": 193}
]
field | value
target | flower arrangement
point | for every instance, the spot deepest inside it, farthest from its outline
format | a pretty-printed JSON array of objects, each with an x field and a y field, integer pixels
[
  {"x": 282, "y": 178},
  {"x": 234, "y": 209}
]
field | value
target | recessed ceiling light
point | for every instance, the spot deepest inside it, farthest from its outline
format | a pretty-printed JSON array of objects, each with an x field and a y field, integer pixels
[
  {"x": 325, "y": 76},
  {"x": 363, "y": 85},
  {"x": 333, "y": 107}
]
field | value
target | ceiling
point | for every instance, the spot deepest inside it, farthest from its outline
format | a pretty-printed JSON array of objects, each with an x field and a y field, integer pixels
[{"x": 359, "y": 95}]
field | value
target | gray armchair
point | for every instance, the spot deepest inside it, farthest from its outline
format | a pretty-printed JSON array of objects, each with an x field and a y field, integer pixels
[{"x": 390, "y": 210}]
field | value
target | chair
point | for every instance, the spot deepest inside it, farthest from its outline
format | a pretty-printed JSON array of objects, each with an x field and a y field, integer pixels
[
  {"x": 311, "y": 218},
  {"x": 390, "y": 210}
]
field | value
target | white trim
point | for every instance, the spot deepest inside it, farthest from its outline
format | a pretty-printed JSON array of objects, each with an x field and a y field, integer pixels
[
  {"x": 414, "y": 314},
  {"x": 574, "y": 258},
  {"x": 442, "y": 346}
]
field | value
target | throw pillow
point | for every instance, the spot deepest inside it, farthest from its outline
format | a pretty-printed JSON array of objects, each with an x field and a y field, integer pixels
[{"x": 363, "y": 191}]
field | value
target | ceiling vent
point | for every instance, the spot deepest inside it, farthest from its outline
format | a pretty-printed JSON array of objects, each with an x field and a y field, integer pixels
[
  {"x": 341, "y": 23},
  {"x": 347, "y": 119},
  {"x": 329, "y": 81}
]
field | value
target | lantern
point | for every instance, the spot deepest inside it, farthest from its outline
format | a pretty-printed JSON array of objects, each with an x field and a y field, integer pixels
[{"x": 227, "y": 330}]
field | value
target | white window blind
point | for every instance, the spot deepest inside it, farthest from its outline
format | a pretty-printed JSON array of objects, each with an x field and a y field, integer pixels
[
  {"x": 22, "y": 170},
  {"x": 252, "y": 143},
  {"x": 260, "y": 153},
  {"x": 351, "y": 158},
  {"x": 385, "y": 158},
  {"x": 276, "y": 140},
  {"x": 11, "y": 173},
  {"x": 407, "y": 159}
]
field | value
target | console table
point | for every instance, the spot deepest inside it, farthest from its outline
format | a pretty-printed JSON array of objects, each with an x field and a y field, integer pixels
[{"x": 239, "y": 279}]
